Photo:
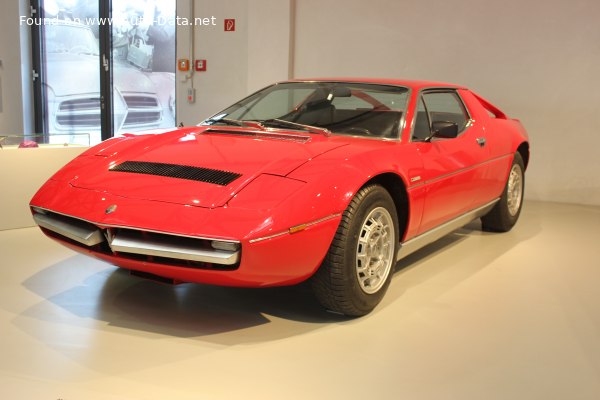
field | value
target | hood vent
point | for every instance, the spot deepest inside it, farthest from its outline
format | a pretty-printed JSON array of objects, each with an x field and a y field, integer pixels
[{"x": 214, "y": 176}]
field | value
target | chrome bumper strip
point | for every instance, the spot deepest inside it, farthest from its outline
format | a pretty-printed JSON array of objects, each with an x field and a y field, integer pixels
[
  {"x": 76, "y": 230},
  {"x": 126, "y": 242},
  {"x": 131, "y": 241}
]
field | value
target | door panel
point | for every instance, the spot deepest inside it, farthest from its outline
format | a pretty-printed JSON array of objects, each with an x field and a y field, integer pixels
[
  {"x": 453, "y": 169},
  {"x": 452, "y": 172},
  {"x": 500, "y": 152},
  {"x": 70, "y": 74}
]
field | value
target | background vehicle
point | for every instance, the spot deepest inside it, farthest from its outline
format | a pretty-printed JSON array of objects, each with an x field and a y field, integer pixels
[{"x": 142, "y": 99}]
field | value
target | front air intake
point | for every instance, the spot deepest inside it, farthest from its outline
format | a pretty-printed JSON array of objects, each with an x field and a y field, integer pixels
[{"x": 207, "y": 175}]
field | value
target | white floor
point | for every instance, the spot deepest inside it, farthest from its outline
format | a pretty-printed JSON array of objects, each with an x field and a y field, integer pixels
[{"x": 474, "y": 316}]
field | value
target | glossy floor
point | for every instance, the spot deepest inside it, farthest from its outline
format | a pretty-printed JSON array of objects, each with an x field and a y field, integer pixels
[{"x": 473, "y": 316}]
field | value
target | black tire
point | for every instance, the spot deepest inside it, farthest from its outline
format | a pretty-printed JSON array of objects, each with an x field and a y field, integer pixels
[
  {"x": 351, "y": 280},
  {"x": 506, "y": 212}
]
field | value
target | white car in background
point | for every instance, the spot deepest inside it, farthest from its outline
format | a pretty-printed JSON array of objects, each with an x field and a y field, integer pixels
[{"x": 142, "y": 99}]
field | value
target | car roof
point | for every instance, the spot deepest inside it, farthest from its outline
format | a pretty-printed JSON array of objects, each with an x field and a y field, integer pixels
[{"x": 413, "y": 84}]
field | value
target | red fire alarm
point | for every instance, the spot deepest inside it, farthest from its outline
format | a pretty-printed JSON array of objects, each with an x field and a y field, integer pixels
[
  {"x": 200, "y": 65},
  {"x": 183, "y": 64},
  {"x": 229, "y": 25}
]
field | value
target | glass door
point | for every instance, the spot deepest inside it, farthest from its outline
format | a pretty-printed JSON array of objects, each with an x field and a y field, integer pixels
[
  {"x": 70, "y": 71},
  {"x": 143, "y": 56},
  {"x": 83, "y": 88}
]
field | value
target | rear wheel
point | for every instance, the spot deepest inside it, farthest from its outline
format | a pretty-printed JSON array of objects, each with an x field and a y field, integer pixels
[
  {"x": 358, "y": 267},
  {"x": 506, "y": 212}
]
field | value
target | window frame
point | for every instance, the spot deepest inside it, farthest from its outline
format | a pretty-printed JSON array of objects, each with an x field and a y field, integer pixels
[
  {"x": 401, "y": 123},
  {"x": 421, "y": 97}
]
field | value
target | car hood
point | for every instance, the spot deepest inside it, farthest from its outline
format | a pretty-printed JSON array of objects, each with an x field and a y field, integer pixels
[
  {"x": 161, "y": 163},
  {"x": 71, "y": 74}
]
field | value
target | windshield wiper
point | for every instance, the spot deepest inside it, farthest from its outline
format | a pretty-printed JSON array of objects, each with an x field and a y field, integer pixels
[
  {"x": 226, "y": 121},
  {"x": 274, "y": 122},
  {"x": 237, "y": 122}
]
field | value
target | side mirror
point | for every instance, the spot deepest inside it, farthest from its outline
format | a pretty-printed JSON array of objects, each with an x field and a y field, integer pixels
[{"x": 444, "y": 129}]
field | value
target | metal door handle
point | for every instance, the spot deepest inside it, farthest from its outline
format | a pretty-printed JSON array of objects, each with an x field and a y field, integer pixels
[
  {"x": 105, "y": 62},
  {"x": 481, "y": 141}
]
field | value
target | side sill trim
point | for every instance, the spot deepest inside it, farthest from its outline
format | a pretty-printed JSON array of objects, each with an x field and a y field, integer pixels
[{"x": 416, "y": 243}]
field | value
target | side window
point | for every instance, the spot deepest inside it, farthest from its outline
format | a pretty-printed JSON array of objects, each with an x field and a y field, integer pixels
[{"x": 446, "y": 106}]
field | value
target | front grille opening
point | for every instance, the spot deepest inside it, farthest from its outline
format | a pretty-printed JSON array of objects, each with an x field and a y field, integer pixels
[
  {"x": 79, "y": 113},
  {"x": 103, "y": 247},
  {"x": 134, "y": 101},
  {"x": 142, "y": 117},
  {"x": 176, "y": 262},
  {"x": 78, "y": 120},
  {"x": 200, "y": 244},
  {"x": 84, "y": 104},
  {"x": 166, "y": 239}
]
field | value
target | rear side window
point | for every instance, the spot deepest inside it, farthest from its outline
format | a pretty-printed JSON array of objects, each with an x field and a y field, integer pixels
[
  {"x": 438, "y": 106},
  {"x": 446, "y": 106}
]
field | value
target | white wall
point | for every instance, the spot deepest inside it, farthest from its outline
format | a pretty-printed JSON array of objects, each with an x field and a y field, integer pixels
[
  {"x": 270, "y": 47},
  {"x": 240, "y": 62},
  {"x": 538, "y": 60},
  {"x": 22, "y": 173},
  {"x": 15, "y": 56}
]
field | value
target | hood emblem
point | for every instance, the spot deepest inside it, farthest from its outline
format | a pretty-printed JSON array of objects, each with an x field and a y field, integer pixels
[{"x": 111, "y": 209}]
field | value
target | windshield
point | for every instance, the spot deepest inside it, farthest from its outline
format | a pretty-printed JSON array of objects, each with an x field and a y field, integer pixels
[
  {"x": 70, "y": 39},
  {"x": 355, "y": 109}
]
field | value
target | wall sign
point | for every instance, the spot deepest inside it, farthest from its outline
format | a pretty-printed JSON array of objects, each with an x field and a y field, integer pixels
[{"x": 230, "y": 25}]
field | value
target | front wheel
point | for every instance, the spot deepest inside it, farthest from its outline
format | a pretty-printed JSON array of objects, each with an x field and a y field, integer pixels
[
  {"x": 357, "y": 269},
  {"x": 506, "y": 212}
]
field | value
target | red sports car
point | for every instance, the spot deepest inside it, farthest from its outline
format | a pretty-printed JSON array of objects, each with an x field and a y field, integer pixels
[{"x": 325, "y": 180}]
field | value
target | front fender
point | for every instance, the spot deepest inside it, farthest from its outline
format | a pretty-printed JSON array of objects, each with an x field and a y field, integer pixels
[{"x": 338, "y": 175}]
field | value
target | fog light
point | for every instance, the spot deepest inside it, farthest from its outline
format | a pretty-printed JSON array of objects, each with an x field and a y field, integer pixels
[{"x": 225, "y": 246}]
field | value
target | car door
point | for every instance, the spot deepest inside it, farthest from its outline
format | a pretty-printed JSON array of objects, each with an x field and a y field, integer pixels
[{"x": 454, "y": 167}]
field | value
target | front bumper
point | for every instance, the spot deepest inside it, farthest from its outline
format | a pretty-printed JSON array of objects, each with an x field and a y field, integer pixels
[{"x": 175, "y": 241}]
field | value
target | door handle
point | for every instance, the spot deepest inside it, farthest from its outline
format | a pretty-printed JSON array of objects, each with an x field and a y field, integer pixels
[
  {"x": 481, "y": 141},
  {"x": 105, "y": 62}
]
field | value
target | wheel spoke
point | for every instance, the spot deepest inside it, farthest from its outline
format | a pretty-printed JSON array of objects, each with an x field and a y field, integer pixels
[
  {"x": 374, "y": 256},
  {"x": 514, "y": 190}
]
